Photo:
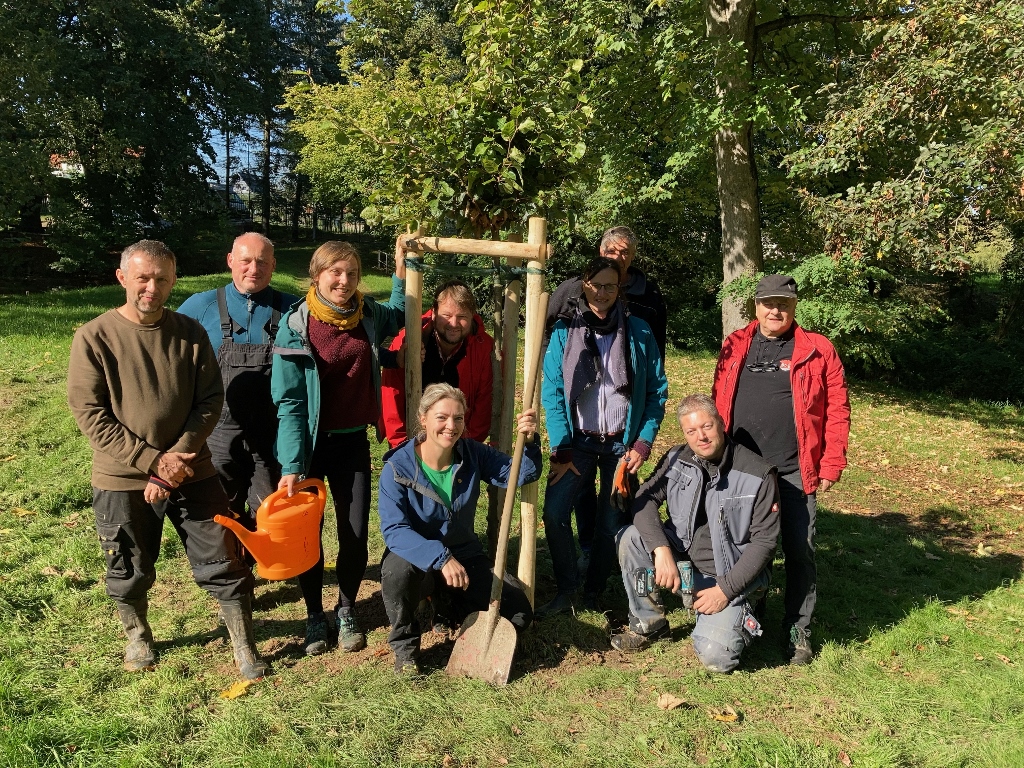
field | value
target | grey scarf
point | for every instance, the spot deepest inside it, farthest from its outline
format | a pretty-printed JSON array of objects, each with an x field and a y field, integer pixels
[{"x": 581, "y": 359}]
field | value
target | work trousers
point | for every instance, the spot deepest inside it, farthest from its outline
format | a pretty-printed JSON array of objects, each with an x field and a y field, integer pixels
[
  {"x": 130, "y": 530},
  {"x": 718, "y": 638},
  {"x": 403, "y": 585},
  {"x": 799, "y": 513},
  {"x": 342, "y": 459},
  {"x": 589, "y": 455},
  {"x": 245, "y": 463}
]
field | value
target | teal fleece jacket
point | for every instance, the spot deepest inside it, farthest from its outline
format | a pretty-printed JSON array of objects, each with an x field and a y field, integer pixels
[
  {"x": 646, "y": 402},
  {"x": 295, "y": 383}
]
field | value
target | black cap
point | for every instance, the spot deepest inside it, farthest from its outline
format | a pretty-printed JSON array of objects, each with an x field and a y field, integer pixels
[{"x": 776, "y": 286}]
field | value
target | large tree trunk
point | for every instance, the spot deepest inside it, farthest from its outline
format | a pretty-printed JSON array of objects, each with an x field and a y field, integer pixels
[
  {"x": 297, "y": 207},
  {"x": 733, "y": 20}
]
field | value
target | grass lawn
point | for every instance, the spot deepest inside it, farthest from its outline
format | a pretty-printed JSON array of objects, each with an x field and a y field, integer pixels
[{"x": 919, "y": 621}]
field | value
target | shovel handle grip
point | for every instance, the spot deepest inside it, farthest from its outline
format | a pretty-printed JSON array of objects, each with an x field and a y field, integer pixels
[{"x": 517, "y": 456}]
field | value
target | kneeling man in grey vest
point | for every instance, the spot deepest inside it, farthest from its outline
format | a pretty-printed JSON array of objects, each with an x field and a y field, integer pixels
[{"x": 723, "y": 518}]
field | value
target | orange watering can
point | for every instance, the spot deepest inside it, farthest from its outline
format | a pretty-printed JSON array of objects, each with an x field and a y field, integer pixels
[{"x": 286, "y": 541}]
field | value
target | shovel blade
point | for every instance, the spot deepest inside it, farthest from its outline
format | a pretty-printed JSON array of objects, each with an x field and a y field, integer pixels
[{"x": 483, "y": 652}]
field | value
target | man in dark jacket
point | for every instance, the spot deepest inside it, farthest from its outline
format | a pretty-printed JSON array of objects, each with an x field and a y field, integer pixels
[
  {"x": 781, "y": 391},
  {"x": 731, "y": 552},
  {"x": 643, "y": 298}
]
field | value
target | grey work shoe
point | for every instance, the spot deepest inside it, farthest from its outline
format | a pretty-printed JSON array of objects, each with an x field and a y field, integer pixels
[
  {"x": 318, "y": 634},
  {"x": 238, "y": 619},
  {"x": 350, "y": 636},
  {"x": 799, "y": 647},
  {"x": 562, "y": 603},
  {"x": 631, "y": 641},
  {"x": 138, "y": 654}
]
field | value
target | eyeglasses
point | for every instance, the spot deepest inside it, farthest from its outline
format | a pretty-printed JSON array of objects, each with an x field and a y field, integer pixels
[
  {"x": 763, "y": 367},
  {"x": 603, "y": 287}
]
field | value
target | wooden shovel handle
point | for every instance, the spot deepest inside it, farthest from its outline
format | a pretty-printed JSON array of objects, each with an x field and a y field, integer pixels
[{"x": 517, "y": 453}]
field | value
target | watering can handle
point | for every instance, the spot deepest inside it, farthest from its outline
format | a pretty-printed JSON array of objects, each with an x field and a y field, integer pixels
[{"x": 301, "y": 485}]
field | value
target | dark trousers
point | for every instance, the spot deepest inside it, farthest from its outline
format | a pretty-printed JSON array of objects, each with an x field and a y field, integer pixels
[
  {"x": 403, "y": 585},
  {"x": 130, "y": 532},
  {"x": 799, "y": 511},
  {"x": 343, "y": 460},
  {"x": 586, "y": 511},
  {"x": 245, "y": 462}
]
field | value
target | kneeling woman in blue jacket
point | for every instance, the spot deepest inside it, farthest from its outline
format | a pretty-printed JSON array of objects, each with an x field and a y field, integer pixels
[{"x": 429, "y": 488}]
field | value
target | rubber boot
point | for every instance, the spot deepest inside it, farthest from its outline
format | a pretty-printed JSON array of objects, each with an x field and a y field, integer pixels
[
  {"x": 138, "y": 654},
  {"x": 238, "y": 618}
]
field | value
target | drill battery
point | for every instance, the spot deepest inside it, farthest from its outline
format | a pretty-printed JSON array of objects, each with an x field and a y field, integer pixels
[{"x": 643, "y": 582}]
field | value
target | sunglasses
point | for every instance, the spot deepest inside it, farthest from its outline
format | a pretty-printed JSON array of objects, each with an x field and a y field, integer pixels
[{"x": 763, "y": 367}]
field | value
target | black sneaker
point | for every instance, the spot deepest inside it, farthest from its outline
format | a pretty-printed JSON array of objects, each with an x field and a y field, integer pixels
[
  {"x": 800, "y": 651},
  {"x": 631, "y": 641},
  {"x": 317, "y": 634},
  {"x": 562, "y": 603}
]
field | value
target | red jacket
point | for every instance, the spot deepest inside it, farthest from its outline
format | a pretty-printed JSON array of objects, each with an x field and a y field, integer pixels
[
  {"x": 821, "y": 404},
  {"x": 476, "y": 380}
]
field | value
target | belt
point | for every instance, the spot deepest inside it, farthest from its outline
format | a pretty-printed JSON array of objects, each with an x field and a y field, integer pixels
[{"x": 604, "y": 436}]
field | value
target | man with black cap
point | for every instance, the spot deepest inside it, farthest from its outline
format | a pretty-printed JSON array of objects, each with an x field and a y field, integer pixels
[{"x": 782, "y": 393}]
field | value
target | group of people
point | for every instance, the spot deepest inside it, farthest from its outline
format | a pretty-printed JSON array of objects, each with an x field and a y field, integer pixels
[{"x": 246, "y": 390}]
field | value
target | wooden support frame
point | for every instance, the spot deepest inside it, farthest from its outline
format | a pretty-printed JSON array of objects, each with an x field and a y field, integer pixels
[{"x": 535, "y": 252}]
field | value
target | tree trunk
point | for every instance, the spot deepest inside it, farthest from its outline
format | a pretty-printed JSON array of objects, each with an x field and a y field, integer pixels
[
  {"x": 733, "y": 22},
  {"x": 297, "y": 207},
  {"x": 266, "y": 175},
  {"x": 227, "y": 168}
]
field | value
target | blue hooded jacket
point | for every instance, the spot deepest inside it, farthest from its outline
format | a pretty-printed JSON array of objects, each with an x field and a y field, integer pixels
[{"x": 416, "y": 524}]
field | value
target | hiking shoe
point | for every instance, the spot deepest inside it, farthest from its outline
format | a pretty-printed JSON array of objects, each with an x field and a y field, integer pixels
[
  {"x": 561, "y": 604},
  {"x": 350, "y": 637},
  {"x": 631, "y": 641},
  {"x": 407, "y": 667},
  {"x": 800, "y": 651},
  {"x": 317, "y": 634}
]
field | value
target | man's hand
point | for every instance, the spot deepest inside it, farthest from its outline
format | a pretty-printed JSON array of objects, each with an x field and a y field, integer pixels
[
  {"x": 633, "y": 461},
  {"x": 666, "y": 574},
  {"x": 154, "y": 493},
  {"x": 400, "y": 355},
  {"x": 172, "y": 467},
  {"x": 288, "y": 481},
  {"x": 455, "y": 575},
  {"x": 824, "y": 485},
  {"x": 711, "y": 600},
  {"x": 556, "y": 471}
]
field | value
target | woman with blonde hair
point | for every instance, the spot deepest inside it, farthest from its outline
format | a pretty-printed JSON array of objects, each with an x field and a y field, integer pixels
[
  {"x": 427, "y": 500},
  {"x": 326, "y": 385}
]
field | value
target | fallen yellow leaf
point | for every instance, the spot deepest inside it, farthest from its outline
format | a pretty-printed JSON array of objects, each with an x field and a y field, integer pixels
[
  {"x": 667, "y": 701},
  {"x": 23, "y": 512},
  {"x": 236, "y": 689},
  {"x": 725, "y": 715},
  {"x": 845, "y": 759},
  {"x": 1004, "y": 659},
  {"x": 12, "y": 457}
]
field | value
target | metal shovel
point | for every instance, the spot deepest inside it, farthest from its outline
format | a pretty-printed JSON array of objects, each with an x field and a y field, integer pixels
[{"x": 487, "y": 641}]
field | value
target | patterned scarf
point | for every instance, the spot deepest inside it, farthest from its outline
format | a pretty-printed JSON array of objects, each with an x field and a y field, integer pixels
[
  {"x": 344, "y": 318},
  {"x": 581, "y": 359}
]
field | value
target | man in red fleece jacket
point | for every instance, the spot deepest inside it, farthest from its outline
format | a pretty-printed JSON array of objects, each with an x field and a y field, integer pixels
[{"x": 781, "y": 391}]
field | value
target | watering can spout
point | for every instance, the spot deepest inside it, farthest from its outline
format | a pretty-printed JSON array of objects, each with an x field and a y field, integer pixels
[
  {"x": 256, "y": 542},
  {"x": 286, "y": 542}
]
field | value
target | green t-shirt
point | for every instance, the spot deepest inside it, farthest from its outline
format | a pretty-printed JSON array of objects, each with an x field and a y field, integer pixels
[{"x": 440, "y": 480}]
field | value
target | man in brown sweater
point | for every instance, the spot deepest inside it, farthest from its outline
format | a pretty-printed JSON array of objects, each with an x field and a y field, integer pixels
[{"x": 145, "y": 388}]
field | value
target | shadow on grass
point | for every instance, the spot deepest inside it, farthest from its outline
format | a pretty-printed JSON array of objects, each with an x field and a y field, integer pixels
[{"x": 872, "y": 573}]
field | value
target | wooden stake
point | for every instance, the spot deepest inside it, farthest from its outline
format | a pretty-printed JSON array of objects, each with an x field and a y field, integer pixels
[
  {"x": 502, "y": 248},
  {"x": 536, "y": 309},
  {"x": 413, "y": 337}
]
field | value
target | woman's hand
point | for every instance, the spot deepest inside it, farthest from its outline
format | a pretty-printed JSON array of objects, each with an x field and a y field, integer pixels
[
  {"x": 455, "y": 575},
  {"x": 400, "y": 256},
  {"x": 288, "y": 481},
  {"x": 556, "y": 471},
  {"x": 633, "y": 461},
  {"x": 527, "y": 421}
]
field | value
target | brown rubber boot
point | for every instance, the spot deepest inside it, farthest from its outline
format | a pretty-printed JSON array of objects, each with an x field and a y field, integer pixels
[
  {"x": 238, "y": 618},
  {"x": 138, "y": 655}
]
